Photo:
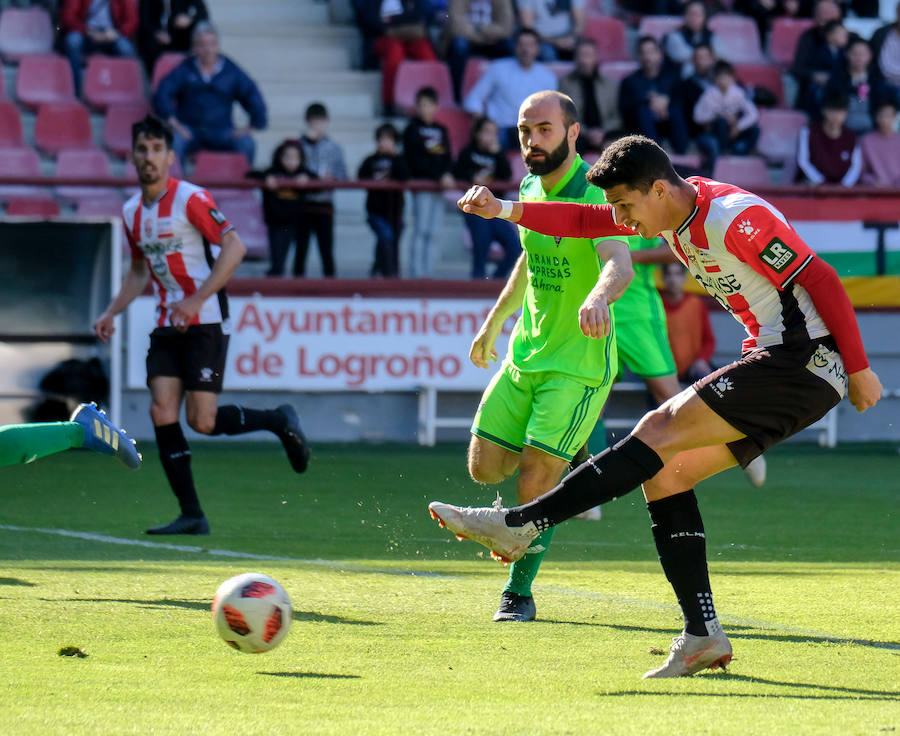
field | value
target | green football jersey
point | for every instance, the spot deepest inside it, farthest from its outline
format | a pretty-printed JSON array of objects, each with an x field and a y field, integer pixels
[
  {"x": 641, "y": 300},
  {"x": 561, "y": 273}
]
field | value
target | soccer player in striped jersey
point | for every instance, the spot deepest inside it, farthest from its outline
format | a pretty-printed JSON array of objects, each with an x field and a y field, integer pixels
[
  {"x": 182, "y": 243},
  {"x": 802, "y": 353}
]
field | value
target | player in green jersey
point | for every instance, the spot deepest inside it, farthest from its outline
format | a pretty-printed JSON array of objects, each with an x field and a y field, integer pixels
[{"x": 541, "y": 405}]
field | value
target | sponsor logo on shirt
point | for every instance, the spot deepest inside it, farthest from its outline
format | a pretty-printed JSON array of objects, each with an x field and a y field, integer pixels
[
  {"x": 745, "y": 227},
  {"x": 217, "y": 216},
  {"x": 777, "y": 255}
]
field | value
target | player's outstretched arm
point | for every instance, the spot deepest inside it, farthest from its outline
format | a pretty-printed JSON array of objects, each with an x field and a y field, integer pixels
[
  {"x": 133, "y": 286},
  {"x": 230, "y": 256},
  {"x": 482, "y": 352}
]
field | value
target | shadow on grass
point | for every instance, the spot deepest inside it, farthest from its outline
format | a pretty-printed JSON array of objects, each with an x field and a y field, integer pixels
[
  {"x": 17, "y": 581},
  {"x": 312, "y": 675},
  {"x": 204, "y": 606},
  {"x": 736, "y": 631},
  {"x": 821, "y": 692}
]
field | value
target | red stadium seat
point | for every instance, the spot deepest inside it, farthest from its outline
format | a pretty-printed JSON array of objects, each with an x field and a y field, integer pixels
[
  {"x": 113, "y": 81},
  {"x": 517, "y": 165},
  {"x": 247, "y": 217},
  {"x": 473, "y": 71},
  {"x": 413, "y": 75},
  {"x": 778, "y": 139},
  {"x": 659, "y": 25},
  {"x": 33, "y": 207},
  {"x": 762, "y": 75},
  {"x": 783, "y": 39},
  {"x": 459, "y": 127},
  {"x": 618, "y": 70},
  {"x": 219, "y": 167},
  {"x": 117, "y": 127},
  {"x": 164, "y": 64},
  {"x": 106, "y": 207},
  {"x": 84, "y": 162},
  {"x": 10, "y": 126},
  {"x": 738, "y": 37},
  {"x": 25, "y": 31},
  {"x": 20, "y": 161},
  {"x": 62, "y": 125},
  {"x": 609, "y": 35},
  {"x": 44, "y": 78},
  {"x": 743, "y": 171}
]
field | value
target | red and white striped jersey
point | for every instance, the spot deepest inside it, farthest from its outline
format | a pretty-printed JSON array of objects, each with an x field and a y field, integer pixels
[
  {"x": 746, "y": 255},
  {"x": 178, "y": 236}
]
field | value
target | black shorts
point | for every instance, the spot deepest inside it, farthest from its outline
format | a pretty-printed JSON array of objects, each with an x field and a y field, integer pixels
[
  {"x": 774, "y": 392},
  {"x": 197, "y": 356}
]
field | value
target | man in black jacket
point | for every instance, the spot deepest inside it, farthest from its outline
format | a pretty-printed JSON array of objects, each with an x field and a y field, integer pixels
[{"x": 426, "y": 148}]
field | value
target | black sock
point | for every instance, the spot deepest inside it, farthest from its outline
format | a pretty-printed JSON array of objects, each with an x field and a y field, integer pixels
[
  {"x": 233, "y": 419},
  {"x": 612, "y": 473},
  {"x": 681, "y": 544},
  {"x": 176, "y": 461}
]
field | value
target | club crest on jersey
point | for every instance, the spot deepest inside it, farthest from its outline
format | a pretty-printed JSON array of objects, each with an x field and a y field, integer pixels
[
  {"x": 217, "y": 216},
  {"x": 777, "y": 255},
  {"x": 148, "y": 227},
  {"x": 745, "y": 227},
  {"x": 557, "y": 239}
]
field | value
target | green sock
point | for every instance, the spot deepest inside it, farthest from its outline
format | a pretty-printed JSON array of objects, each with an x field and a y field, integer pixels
[
  {"x": 24, "y": 443},
  {"x": 524, "y": 571}
]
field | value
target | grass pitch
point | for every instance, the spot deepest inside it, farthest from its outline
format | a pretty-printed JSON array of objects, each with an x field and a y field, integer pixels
[{"x": 392, "y": 631}]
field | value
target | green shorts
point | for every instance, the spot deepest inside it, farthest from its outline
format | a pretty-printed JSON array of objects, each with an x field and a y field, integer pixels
[
  {"x": 644, "y": 348},
  {"x": 546, "y": 410}
]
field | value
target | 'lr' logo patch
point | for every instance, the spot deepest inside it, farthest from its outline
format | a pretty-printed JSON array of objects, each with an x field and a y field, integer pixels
[
  {"x": 217, "y": 216},
  {"x": 777, "y": 256}
]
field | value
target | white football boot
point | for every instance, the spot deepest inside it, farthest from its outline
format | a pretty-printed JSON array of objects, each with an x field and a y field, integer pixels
[
  {"x": 487, "y": 526},
  {"x": 689, "y": 654}
]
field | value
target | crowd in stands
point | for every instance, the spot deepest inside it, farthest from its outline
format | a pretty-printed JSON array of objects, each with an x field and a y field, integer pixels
[{"x": 709, "y": 79}]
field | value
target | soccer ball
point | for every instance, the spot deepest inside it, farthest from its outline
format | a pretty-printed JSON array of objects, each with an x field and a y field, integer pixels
[{"x": 252, "y": 612}]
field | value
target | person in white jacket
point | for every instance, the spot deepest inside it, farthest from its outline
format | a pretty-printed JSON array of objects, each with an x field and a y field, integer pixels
[{"x": 730, "y": 117}]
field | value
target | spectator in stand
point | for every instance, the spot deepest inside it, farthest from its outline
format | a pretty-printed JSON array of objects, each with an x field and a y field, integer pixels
[
  {"x": 398, "y": 30},
  {"x": 96, "y": 26},
  {"x": 558, "y": 24},
  {"x": 828, "y": 62},
  {"x": 197, "y": 96},
  {"x": 483, "y": 162},
  {"x": 283, "y": 207},
  {"x": 864, "y": 89},
  {"x": 506, "y": 83},
  {"x": 731, "y": 119},
  {"x": 679, "y": 44},
  {"x": 595, "y": 96},
  {"x": 813, "y": 45},
  {"x": 691, "y": 335},
  {"x": 689, "y": 89},
  {"x": 765, "y": 11},
  {"x": 167, "y": 25},
  {"x": 426, "y": 148},
  {"x": 828, "y": 151},
  {"x": 479, "y": 28},
  {"x": 326, "y": 160},
  {"x": 881, "y": 149},
  {"x": 645, "y": 98},
  {"x": 384, "y": 207},
  {"x": 886, "y": 50}
]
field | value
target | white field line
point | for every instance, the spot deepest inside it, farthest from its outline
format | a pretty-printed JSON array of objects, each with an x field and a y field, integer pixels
[
  {"x": 193, "y": 549},
  {"x": 560, "y": 590}
]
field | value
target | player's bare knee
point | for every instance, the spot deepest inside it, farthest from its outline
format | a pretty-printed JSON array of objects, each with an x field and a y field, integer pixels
[
  {"x": 654, "y": 427},
  {"x": 202, "y": 423},
  {"x": 161, "y": 415},
  {"x": 481, "y": 472}
]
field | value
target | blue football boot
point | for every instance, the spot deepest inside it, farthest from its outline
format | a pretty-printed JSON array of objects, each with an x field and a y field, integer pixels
[{"x": 102, "y": 436}]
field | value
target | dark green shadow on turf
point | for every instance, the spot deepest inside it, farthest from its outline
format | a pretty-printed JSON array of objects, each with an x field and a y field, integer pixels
[
  {"x": 17, "y": 581},
  {"x": 829, "y": 692},
  {"x": 313, "y": 675},
  {"x": 791, "y": 638},
  {"x": 204, "y": 606}
]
